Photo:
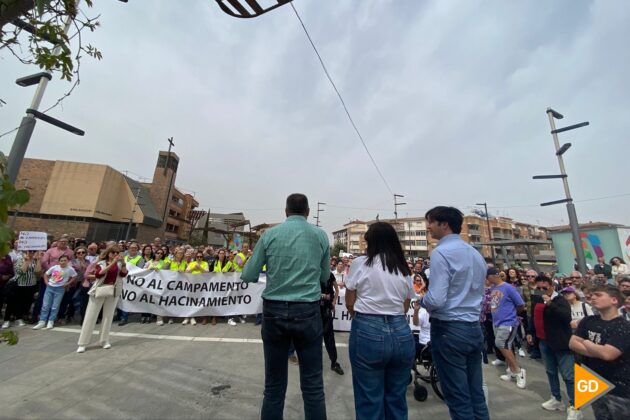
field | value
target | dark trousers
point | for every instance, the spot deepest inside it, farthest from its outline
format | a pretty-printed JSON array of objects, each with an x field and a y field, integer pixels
[
  {"x": 40, "y": 299},
  {"x": 19, "y": 303},
  {"x": 67, "y": 308},
  {"x": 456, "y": 348},
  {"x": 300, "y": 323},
  {"x": 329, "y": 334}
]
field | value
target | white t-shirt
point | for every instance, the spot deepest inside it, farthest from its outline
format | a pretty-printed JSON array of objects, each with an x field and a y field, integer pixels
[
  {"x": 339, "y": 277},
  {"x": 379, "y": 292},
  {"x": 424, "y": 327},
  {"x": 577, "y": 310}
]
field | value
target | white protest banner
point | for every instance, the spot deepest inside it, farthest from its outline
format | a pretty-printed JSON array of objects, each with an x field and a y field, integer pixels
[
  {"x": 343, "y": 321},
  {"x": 32, "y": 241},
  {"x": 170, "y": 293}
]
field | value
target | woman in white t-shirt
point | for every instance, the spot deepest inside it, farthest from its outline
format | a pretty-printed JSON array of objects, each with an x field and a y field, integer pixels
[
  {"x": 579, "y": 309},
  {"x": 382, "y": 349}
]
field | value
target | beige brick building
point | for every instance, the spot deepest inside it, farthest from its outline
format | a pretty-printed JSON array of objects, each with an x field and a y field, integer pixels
[{"x": 97, "y": 202}]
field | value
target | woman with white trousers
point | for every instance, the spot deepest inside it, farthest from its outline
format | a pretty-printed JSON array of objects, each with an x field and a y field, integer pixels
[{"x": 110, "y": 270}]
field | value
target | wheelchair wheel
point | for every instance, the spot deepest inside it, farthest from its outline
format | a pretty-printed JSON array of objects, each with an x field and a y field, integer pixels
[
  {"x": 435, "y": 382},
  {"x": 420, "y": 392}
]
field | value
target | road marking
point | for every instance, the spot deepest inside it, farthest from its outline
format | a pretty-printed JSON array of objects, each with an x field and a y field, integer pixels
[{"x": 174, "y": 337}]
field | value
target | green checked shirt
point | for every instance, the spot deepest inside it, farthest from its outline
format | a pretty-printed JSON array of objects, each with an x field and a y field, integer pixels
[{"x": 297, "y": 257}]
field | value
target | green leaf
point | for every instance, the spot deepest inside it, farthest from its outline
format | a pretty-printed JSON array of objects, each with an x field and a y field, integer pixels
[
  {"x": 10, "y": 337},
  {"x": 21, "y": 197},
  {"x": 41, "y": 5}
]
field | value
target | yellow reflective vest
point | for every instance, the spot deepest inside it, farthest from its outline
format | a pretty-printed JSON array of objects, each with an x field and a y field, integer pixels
[
  {"x": 226, "y": 268},
  {"x": 239, "y": 262}
]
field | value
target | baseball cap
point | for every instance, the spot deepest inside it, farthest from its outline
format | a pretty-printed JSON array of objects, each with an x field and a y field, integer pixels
[
  {"x": 568, "y": 290},
  {"x": 492, "y": 272}
]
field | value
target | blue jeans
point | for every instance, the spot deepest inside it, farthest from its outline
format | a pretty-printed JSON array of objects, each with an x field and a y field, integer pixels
[
  {"x": 51, "y": 303},
  {"x": 456, "y": 348},
  {"x": 382, "y": 351},
  {"x": 300, "y": 323},
  {"x": 554, "y": 361}
]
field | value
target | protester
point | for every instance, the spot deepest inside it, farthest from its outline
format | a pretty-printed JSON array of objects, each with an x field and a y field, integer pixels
[
  {"x": 453, "y": 300},
  {"x": 80, "y": 265},
  {"x": 297, "y": 256},
  {"x": 28, "y": 268},
  {"x": 604, "y": 269},
  {"x": 618, "y": 267},
  {"x": 330, "y": 293},
  {"x": 505, "y": 303},
  {"x": 7, "y": 272},
  {"x": 340, "y": 274},
  {"x": 625, "y": 311},
  {"x": 551, "y": 322},
  {"x": 579, "y": 309},
  {"x": 109, "y": 270},
  {"x": 624, "y": 285},
  {"x": 57, "y": 279},
  {"x": 604, "y": 342}
]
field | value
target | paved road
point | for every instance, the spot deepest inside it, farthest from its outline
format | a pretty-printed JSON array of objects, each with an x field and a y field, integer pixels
[{"x": 177, "y": 371}]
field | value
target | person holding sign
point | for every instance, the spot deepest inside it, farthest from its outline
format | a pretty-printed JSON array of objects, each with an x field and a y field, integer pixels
[
  {"x": 109, "y": 269},
  {"x": 297, "y": 257},
  {"x": 379, "y": 290}
]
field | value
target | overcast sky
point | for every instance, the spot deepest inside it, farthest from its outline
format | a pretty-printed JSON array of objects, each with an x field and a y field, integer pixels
[{"x": 450, "y": 97}]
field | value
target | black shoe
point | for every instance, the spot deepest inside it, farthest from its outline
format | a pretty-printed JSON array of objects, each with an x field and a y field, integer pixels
[
  {"x": 122, "y": 323},
  {"x": 337, "y": 368}
]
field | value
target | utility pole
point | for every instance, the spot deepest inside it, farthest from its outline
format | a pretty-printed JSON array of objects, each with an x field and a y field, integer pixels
[
  {"x": 319, "y": 210},
  {"x": 396, "y": 204},
  {"x": 133, "y": 213},
  {"x": 485, "y": 207},
  {"x": 560, "y": 150}
]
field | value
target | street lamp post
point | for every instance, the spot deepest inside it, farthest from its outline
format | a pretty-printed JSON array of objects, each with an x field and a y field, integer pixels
[
  {"x": 560, "y": 150},
  {"x": 319, "y": 210},
  {"x": 485, "y": 207}
]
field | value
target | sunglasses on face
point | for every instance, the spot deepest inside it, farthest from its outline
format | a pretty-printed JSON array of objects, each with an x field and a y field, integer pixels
[
  {"x": 80, "y": 252},
  {"x": 541, "y": 288}
]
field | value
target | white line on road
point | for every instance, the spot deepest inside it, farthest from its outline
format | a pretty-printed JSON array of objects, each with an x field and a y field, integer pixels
[{"x": 176, "y": 337}]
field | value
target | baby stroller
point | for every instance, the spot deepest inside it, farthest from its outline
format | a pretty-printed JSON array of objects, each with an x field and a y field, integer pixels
[{"x": 424, "y": 362}]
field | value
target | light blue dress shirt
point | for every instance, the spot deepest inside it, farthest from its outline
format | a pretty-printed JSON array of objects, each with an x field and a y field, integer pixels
[{"x": 456, "y": 283}]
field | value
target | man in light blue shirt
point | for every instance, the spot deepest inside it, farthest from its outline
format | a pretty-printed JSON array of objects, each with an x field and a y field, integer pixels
[{"x": 456, "y": 288}]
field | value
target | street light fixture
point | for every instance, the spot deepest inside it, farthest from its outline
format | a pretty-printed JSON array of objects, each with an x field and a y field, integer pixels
[
  {"x": 247, "y": 8},
  {"x": 560, "y": 150},
  {"x": 485, "y": 207}
]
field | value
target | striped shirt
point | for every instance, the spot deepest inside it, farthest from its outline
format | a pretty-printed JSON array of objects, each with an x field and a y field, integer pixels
[{"x": 28, "y": 277}]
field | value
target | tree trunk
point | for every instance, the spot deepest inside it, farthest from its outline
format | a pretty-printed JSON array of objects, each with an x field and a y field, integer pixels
[{"x": 12, "y": 9}]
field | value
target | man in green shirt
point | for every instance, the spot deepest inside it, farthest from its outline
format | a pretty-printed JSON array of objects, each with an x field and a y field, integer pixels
[{"x": 297, "y": 257}]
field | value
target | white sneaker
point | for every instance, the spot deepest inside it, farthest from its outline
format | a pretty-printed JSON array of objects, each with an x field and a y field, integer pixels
[
  {"x": 574, "y": 414},
  {"x": 107, "y": 345},
  {"x": 242, "y": 319},
  {"x": 50, "y": 325},
  {"x": 521, "y": 352},
  {"x": 81, "y": 349},
  {"x": 521, "y": 379},
  {"x": 193, "y": 321},
  {"x": 231, "y": 322},
  {"x": 20, "y": 323},
  {"x": 185, "y": 321},
  {"x": 553, "y": 405},
  {"x": 507, "y": 377},
  {"x": 160, "y": 323},
  {"x": 6, "y": 324},
  {"x": 39, "y": 325},
  {"x": 498, "y": 362},
  {"x": 170, "y": 321}
]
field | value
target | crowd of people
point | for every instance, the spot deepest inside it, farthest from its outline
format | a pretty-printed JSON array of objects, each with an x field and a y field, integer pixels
[{"x": 463, "y": 307}]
